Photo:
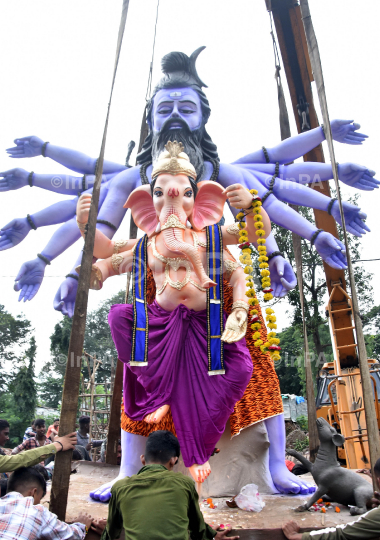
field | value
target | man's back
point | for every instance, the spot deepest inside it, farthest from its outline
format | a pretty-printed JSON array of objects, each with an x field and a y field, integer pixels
[{"x": 156, "y": 503}]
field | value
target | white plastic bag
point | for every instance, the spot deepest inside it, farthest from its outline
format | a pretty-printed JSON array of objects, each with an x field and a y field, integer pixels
[{"x": 249, "y": 499}]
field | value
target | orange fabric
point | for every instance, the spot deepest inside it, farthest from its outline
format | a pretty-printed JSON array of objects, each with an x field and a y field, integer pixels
[{"x": 261, "y": 399}]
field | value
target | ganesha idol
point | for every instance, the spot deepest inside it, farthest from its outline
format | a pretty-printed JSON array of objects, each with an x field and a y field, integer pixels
[{"x": 186, "y": 363}]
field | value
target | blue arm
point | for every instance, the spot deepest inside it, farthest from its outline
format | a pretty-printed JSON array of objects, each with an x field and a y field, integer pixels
[
  {"x": 288, "y": 150},
  {"x": 72, "y": 159},
  {"x": 59, "y": 183}
]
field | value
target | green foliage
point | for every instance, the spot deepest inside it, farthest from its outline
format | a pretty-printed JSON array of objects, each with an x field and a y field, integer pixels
[
  {"x": 14, "y": 332},
  {"x": 23, "y": 386},
  {"x": 371, "y": 323},
  {"x": 299, "y": 446},
  {"x": 303, "y": 423},
  {"x": 18, "y": 404},
  {"x": 17, "y": 425}
]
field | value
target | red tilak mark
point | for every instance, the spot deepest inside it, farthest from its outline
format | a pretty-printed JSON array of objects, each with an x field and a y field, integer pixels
[{"x": 173, "y": 192}]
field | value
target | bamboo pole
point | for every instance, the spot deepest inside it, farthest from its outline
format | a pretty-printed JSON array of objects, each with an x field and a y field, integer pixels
[
  {"x": 114, "y": 418},
  {"x": 370, "y": 413},
  {"x": 62, "y": 468}
]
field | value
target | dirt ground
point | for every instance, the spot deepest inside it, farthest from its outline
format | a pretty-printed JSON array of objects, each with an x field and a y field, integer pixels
[{"x": 278, "y": 508}]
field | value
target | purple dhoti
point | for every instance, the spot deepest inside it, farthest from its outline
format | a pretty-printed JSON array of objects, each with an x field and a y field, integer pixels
[{"x": 177, "y": 375}]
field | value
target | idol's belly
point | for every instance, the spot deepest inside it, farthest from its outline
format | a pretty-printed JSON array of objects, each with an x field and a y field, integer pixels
[{"x": 189, "y": 295}]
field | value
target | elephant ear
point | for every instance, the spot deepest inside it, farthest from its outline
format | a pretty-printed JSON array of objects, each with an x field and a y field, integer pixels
[
  {"x": 338, "y": 439},
  {"x": 208, "y": 205},
  {"x": 144, "y": 214}
]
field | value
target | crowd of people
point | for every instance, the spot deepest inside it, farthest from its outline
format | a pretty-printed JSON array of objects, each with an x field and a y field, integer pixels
[{"x": 155, "y": 503}]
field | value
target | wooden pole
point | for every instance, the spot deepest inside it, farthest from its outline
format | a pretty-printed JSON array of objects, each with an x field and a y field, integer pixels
[
  {"x": 114, "y": 423},
  {"x": 369, "y": 406},
  {"x": 310, "y": 397},
  {"x": 62, "y": 468}
]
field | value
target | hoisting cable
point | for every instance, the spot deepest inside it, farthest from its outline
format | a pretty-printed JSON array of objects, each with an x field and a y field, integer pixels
[
  {"x": 149, "y": 86},
  {"x": 132, "y": 224},
  {"x": 297, "y": 248},
  {"x": 369, "y": 407},
  {"x": 70, "y": 396}
]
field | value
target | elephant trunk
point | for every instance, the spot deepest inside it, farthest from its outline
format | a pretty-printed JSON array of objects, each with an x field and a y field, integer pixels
[{"x": 174, "y": 241}]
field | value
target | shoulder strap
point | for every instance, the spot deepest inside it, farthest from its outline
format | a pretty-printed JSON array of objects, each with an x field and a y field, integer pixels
[
  {"x": 139, "y": 353},
  {"x": 215, "y": 324}
]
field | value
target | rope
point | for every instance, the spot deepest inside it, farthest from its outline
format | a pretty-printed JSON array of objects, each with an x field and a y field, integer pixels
[
  {"x": 297, "y": 248},
  {"x": 370, "y": 414},
  {"x": 149, "y": 86}
]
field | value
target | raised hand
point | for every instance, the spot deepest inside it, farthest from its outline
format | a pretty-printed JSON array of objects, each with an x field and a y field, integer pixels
[
  {"x": 83, "y": 208},
  {"x": 236, "y": 326},
  {"x": 13, "y": 233},
  {"x": 26, "y": 147},
  {"x": 29, "y": 279},
  {"x": 13, "y": 179},
  {"x": 282, "y": 276},
  {"x": 331, "y": 250},
  {"x": 357, "y": 176},
  {"x": 345, "y": 131},
  {"x": 238, "y": 196},
  {"x": 353, "y": 217},
  {"x": 65, "y": 298}
]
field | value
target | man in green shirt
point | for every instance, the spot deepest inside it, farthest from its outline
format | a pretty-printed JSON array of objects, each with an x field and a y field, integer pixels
[
  {"x": 365, "y": 527},
  {"x": 32, "y": 457},
  {"x": 156, "y": 502}
]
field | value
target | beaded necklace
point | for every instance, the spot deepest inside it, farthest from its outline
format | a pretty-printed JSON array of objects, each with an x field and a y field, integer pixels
[{"x": 246, "y": 258}]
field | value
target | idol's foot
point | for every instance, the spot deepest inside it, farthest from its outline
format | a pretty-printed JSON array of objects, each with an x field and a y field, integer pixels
[
  {"x": 103, "y": 493},
  {"x": 286, "y": 482},
  {"x": 157, "y": 416},
  {"x": 96, "y": 279},
  {"x": 200, "y": 472}
]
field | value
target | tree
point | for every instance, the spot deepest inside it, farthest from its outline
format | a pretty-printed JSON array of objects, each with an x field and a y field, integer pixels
[
  {"x": 14, "y": 332},
  {"x": 18, "y": 404},
  {"x": 371, "y": 322},
  {"x": 23, "y": 386}
]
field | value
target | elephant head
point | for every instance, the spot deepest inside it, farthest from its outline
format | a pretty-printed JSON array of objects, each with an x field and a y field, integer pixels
[{"x": 170, "y": 204}]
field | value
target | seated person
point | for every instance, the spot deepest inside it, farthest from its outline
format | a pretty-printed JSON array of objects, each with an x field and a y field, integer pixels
[
  {"x": 29, "y": 432},
  {"x": 34, "y": 442},
  {"x": 53, "y": 430},
  {"x": 156, "y": 502},
  {"x": 83, "y": 434},
  {"x": 22, "y": 515},
  {"x": 103, "y": 452}
]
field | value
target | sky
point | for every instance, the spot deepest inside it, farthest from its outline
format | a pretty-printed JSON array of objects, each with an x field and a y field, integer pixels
[{"x": 57, "y": 60}]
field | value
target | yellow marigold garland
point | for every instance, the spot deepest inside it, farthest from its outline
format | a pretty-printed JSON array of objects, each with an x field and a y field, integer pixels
[{"x": 246, "y": 258}]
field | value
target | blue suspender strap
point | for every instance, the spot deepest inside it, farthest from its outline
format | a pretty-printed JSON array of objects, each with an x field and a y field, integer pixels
[
  {"x": 139, "y": 354},
  {"x": 215, "y": 323}
]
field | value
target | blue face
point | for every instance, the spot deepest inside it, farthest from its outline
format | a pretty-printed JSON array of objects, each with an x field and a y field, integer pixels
[{"x": 176, "y": 103}]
